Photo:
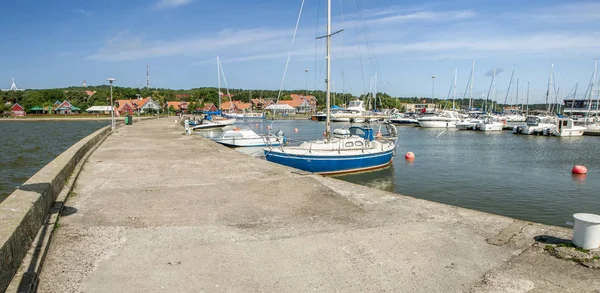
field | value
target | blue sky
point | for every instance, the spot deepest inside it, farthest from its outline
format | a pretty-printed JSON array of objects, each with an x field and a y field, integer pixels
[{"x": 61, "y": 43}]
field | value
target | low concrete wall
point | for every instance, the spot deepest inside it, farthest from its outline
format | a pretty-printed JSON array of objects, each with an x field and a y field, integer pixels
[{"x": 24, "y": 211}]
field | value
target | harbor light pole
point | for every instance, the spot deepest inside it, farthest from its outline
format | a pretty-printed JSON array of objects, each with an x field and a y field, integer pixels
[{"x": 112, "y": 106}]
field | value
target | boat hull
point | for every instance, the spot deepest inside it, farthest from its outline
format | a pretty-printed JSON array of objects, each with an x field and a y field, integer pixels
[
  {"x": 490, "y": 127},
  {"x": 321, "y": 163},
  {"x": 437, "y": 124},
  {"x": 246, "y": 142}
]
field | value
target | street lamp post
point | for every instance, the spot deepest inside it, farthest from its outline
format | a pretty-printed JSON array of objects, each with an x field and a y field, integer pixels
[
  {"x": 306, "y": 82},
  {"x": 433, "y": 88},
  {"x": 112, "y": 106},
  {"x": 138, "y": 108}
]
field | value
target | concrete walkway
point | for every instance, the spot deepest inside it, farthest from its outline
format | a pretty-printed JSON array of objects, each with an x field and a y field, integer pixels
[{"x": 157, "y": 211}]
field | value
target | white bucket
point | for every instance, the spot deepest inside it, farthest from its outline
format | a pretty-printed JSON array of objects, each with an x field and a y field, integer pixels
[{"x": 586, "y": 232}]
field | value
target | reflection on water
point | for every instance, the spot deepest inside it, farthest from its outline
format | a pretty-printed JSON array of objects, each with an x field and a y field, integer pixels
[{"x": 381, "y": 179}]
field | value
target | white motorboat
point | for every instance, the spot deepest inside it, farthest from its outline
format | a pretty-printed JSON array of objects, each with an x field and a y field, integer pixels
[
  {"x": 442, "y": 120},
  {"x": 405, "y": 118},
  {"x": 537, "y": 125},
  {"x": 243, "y": 136},
  {"x": 205, "y": 124},
  {"x": 468, "y": 123},
  {"x": 222, "y": 120},
  {"x": 567, "y": 127},
  {"x": 490, "y": 123}
]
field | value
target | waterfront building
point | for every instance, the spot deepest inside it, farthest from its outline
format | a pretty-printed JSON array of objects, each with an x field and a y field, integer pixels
[
  {"x": 209, "y": 107},
  {"x": 261, "y": 104},
  {"x": 17, "y": 110},
  {"x": 581, "y": 107},
  {"x": 302, "y": 104},
  {"x": 418, "y": 108},
  {"x": 98, "y": 110},
  {"x": 65, "y": 108},
  {"x": 144, "y": 105},
  {"x": 178, "y": 106}
]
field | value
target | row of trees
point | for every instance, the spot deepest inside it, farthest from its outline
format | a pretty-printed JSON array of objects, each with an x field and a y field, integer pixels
[{"x": 199, "y": 96}]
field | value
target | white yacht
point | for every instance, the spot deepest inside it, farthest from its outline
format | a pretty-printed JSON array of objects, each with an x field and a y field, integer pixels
[
  {"x": 490, "y": 123},
  {"x": 443, "y": 119}
]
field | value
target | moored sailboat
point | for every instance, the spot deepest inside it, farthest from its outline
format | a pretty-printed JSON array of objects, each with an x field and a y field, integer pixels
[{"x": 347, "y": 150}]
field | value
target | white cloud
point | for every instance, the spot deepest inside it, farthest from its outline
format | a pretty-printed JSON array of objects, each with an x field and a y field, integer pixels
[
  {"x": 83, "y": 12},
  {"x": 171, "y": 3},
  {"x": 424, "y": 15},
  {"x": 123, "y": 46}
]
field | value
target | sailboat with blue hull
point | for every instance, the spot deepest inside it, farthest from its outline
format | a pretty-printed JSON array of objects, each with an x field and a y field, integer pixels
[
  {"x": 349, "y": 150},
  {"x": 346, "y": 151}
]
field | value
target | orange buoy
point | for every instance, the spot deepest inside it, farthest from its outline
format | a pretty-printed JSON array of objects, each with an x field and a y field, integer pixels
[
  {"x": 268, "y": 127},
  {"x": 296, "y": 130},
  {"x": 409, "y": 156},
  {"x": 256, "y": 125},
  {"x": 579, "y": 169}
]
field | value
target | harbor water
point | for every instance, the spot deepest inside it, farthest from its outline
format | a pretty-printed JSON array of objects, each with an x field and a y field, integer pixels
[
  {"x": 519, "y": 176},
  {"x": 27, "y": 146}
]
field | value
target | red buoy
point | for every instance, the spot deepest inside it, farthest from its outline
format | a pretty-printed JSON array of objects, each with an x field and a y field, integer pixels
[
  {"x": 296, "y": 130},
  {"x": 268, "y": 127},
  {"x": 579, "y": 169},
  {"x": 409, "y": 156}
]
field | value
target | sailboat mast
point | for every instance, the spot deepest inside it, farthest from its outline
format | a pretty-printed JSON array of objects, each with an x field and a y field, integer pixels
[
  {"x": 592, "y": 90},
  {"x": 517, "y": 98},
  {"x": 219, "y": 81},
  {"x": 471, "y": 85},
  {"x": 327, "y": 95},
  {"x": 527, "y": 112},
  {"x": 454, "y": 89},
  {"x": 549, "y": 89},
  {"x": 494, "y": 88},
  {"x": 509, "y": 84}
]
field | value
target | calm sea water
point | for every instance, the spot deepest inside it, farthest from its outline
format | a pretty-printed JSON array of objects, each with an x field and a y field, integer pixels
[
  {"x": 27, "y": 146},
  {"x": 519, "y": 176}
]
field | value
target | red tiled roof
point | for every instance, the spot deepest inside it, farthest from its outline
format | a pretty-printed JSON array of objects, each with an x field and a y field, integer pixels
[
  {"x": 17, "y": 107},
  {"x": 177, "y": 105},
  {"x": 244, "y": 106},
  {"x": 228, "y": 106},
  {"x": 209, "y": 107}
]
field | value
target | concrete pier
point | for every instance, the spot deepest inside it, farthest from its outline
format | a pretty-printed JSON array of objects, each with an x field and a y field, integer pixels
[{"x": 154, "y": 210}]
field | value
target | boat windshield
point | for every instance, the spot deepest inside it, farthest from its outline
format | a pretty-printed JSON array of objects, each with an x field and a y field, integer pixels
[
  {"x": 533, "y": 121},
  {"x": 366, "y": 133}
]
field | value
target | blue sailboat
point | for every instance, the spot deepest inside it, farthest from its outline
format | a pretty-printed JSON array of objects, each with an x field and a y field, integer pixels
[{"x": 346, "y": 151}]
